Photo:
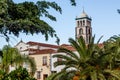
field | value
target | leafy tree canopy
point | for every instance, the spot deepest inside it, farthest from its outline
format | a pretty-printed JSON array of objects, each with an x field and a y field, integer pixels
[
  {"x": 12, "y": 57},
  {"x": 25, "y": 17},
  {"x": 18, "y": 74},
  {"x": 91, "y": 61}
]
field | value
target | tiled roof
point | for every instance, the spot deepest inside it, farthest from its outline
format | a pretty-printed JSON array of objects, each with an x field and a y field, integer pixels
[
  {"x": 44, "y": 51},
  {"x": 65, "y": 45},
  {"x": 31, "y": 49},
  {"x": 42, "y": 44},
  {"x": 69, "y": 47}
]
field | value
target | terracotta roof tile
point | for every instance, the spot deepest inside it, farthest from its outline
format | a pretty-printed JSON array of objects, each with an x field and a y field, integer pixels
[
  {"x": 30, "y": 49},
  {"x": 44, "y": 51},
  {"x": 65, "y": 45},
  {"x": 42, "y": 44},
  {"x": 69, "y": 47}
]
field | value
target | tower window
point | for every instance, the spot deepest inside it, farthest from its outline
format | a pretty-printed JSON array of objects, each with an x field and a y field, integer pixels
[
  {"x": 81, "y": 31},
  {"x": 80, "y": 23},
  {"x": 87, "y": 23},
  {"x": 83, "y": 22},
  {"x": 89, "y": 31},
  {"x": 77, "y": 23}
]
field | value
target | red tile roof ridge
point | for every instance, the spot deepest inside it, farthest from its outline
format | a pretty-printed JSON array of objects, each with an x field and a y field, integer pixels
[
  {"x": 31, "y": 49},
  {"x": 43, "y": 51},
  {"x": 65, "y": 45},
  {"x": 42, "y": 44},
  {"x": 69, "y": 47}
]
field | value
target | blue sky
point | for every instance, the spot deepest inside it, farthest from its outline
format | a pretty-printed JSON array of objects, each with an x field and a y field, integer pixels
[{"x": 105, "y": 21}]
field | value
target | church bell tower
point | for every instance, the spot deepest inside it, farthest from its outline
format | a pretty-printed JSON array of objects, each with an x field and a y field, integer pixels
[{"x": 83, "y": 27}]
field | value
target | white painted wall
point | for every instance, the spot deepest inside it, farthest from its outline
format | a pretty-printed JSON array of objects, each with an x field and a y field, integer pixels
[
  {"x": 59, "y": 68},
  {"x": 21, "y": 46}
]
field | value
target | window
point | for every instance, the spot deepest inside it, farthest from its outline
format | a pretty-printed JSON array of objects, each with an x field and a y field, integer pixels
[
  {"x": 78, "y": 23},
  {"x": 89, "y": 31},
  {"x": 81, "y": 31},
  {"x": 89, "y": 23},
  {"x": 83, "y": 22},
  {"x": 38, "y": 74},
  {"x": 44, "y": 60},
  {"x": 20, "y": 48}
]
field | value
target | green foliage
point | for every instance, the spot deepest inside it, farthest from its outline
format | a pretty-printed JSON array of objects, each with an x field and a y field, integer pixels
[
  {"x": 112, "y": 47},
  {"x": 11, "y": 56},
  {"x": 118, "y": 10},
  {"x": 25, "y": 17},
  {"x": 50, "y": 77},
  {"x": 73, "y": 2},
  {"x": 3, "y": 8},
  {"x": 25, "y": 10},
  {"x": 20, "y": 74},
  {"x": 43, "y": 6},
  {"x": 93, "y": 62},
  {"x": 63, "y": 75},
  {"x": 3, "y": 75}
]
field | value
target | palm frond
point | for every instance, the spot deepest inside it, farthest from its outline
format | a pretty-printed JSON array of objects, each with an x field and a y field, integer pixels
[
  {"x": 114, "y": 73},
  {"x": 69, "y": 53}
]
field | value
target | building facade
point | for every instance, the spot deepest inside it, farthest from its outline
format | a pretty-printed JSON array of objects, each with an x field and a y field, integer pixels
[
  {"x": 43, "y": 66},
  {"x": 43, "y": 56}
]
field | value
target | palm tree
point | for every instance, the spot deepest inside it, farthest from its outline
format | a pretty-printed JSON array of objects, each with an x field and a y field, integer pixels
[
  {"x": 89, "y": 60},
  {"x": 11, "y": 56},
  {"x": 79, "y": 61},
  {"x": 112, "y": 48}
]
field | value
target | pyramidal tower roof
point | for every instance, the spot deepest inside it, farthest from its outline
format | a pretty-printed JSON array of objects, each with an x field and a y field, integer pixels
[{"x": 83, "y": 14}]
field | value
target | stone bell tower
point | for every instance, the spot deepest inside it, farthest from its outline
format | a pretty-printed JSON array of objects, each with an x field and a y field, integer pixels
[{"x": 83, "y": 27}]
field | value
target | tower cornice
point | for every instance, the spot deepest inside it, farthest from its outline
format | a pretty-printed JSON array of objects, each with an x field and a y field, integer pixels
[{"x": 83, "y": 18}]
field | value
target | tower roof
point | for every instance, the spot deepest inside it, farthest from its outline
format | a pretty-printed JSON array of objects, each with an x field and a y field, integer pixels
[{"x": 83, "y": 14}]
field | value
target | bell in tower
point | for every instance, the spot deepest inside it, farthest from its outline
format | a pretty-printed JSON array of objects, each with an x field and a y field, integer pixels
[{"x": 83, "y": 27}]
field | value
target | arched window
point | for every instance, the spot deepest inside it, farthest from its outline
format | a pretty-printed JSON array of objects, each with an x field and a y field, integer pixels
[
  {"x": 44, "y": 60},
  {"x": 80, "y": 23},
  {"x": 89, "y": 31},
  {"x": 80, "y": 31},
  {"x": 77, "y": 23},
  {"x": 83, "y": 22}
]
